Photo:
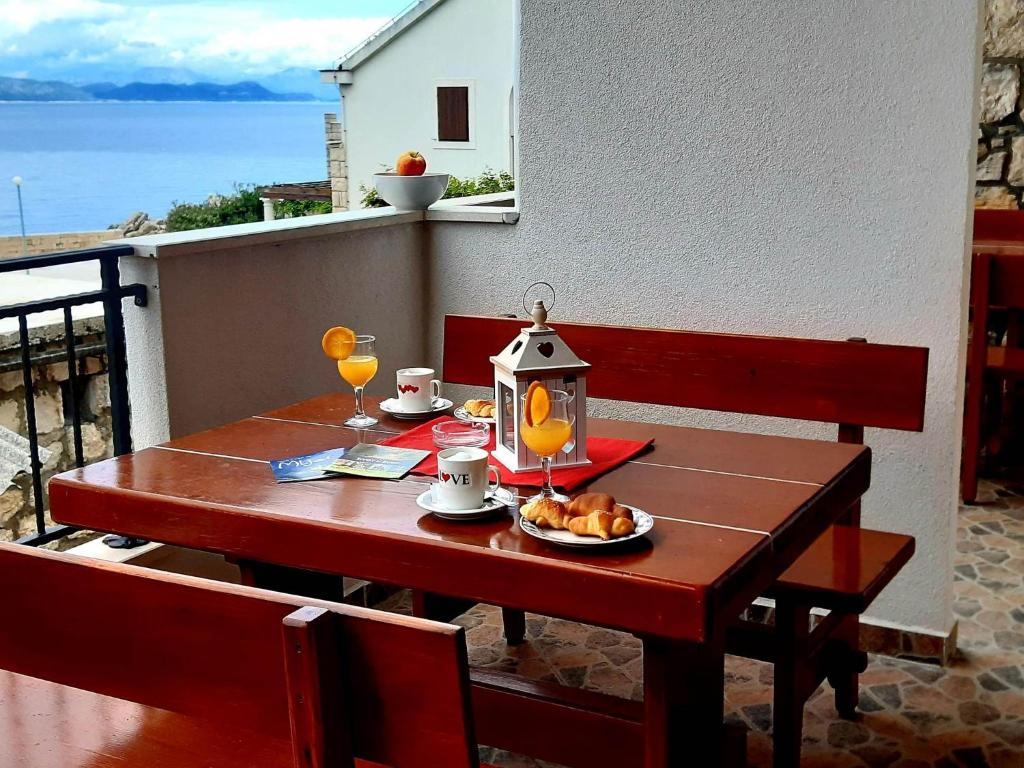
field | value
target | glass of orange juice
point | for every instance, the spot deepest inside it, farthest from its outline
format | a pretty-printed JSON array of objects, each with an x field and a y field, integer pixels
[
  {"x": 357, "y": 369},
  {"x": 546, "y": 428}
]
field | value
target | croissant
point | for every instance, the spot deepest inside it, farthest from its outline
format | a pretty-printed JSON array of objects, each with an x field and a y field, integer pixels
[
  {"x": 603, "y": 524},
  {"x": 483, "y": 408},
  {"x": 586, "y": 503},
  {"x": 546, "y": 513}
]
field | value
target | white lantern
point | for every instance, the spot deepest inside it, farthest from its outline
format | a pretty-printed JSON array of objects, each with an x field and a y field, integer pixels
[{"x": 538, "y": 354}]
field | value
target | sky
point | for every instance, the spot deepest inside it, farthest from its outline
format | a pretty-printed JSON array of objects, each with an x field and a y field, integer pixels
[{"x": 89, "y": 40}]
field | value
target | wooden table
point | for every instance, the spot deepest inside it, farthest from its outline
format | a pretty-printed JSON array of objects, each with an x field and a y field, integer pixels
[{"x": 733, "y": 511}]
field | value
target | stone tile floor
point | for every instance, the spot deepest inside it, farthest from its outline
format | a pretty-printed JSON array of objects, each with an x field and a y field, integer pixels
[{"x": 914, "y": 715}]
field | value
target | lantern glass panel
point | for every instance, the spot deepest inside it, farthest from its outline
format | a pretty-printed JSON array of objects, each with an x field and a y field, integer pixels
[{"x": 506, "y": 416}]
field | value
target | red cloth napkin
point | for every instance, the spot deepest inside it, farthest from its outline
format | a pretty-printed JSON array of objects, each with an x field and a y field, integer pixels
[{"x": 605, "y": 453}]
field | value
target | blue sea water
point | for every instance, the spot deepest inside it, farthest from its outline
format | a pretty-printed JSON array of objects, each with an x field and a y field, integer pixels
[{"x": 92, "y": 164}]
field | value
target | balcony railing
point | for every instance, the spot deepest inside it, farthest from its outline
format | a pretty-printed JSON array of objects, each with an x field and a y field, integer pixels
[{"x": 109, "y": 295}]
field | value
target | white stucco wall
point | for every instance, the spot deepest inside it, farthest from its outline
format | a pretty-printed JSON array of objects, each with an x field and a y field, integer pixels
[
  {"x": 798, "y": 168},
  {"x": 391, "y": 105}
]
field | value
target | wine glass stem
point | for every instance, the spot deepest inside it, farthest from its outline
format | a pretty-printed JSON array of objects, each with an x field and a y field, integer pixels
[
  {"x": 547, "y": 491},
  {"x": 359, "y": 402}
]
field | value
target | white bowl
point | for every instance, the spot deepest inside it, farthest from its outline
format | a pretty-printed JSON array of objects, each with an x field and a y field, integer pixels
[{"x": 411, "y": 193}]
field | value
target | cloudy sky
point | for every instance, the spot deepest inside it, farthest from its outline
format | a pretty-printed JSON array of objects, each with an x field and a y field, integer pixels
[{"x": 97, "y": 39}]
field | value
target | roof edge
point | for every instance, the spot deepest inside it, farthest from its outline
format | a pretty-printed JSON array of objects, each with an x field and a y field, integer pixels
[{"x": 386, "y": 34}]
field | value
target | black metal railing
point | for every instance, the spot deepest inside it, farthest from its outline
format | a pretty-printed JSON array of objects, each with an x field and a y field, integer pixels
[{"x": 110, "y": 294}]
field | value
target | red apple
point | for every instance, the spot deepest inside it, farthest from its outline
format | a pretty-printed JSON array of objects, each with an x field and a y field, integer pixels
[{"x": 411, "y": 163}]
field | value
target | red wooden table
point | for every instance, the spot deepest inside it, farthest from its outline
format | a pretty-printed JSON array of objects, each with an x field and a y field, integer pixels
[{"x": 732, "y": 512}]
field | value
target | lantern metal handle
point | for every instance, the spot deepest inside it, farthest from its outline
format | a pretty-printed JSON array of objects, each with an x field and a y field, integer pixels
[{"x": 541, "y": 320}]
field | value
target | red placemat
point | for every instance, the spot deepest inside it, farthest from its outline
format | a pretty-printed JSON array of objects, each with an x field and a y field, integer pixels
[{"x": 605, "y": 453}]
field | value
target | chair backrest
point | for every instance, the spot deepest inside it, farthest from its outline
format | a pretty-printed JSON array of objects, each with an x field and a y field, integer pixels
[
  {"x": 374, "y": 685},
  {"x": 1000, "y": 277},
  {"x": 850, "y": 383},
  {"x": 991, "y": 224}
]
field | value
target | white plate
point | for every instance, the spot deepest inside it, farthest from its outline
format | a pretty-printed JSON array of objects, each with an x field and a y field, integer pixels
[
  {"x": 391, "y": 406},
  {"x": 462, "y": 414},
  {"x": 643, "y": 522},
  {"x": 494, "y": 501}
]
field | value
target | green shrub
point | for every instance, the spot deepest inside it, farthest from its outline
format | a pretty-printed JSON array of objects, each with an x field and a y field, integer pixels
[
  {"x": 242, "y": 207},
  {"x": 486, "y": 183}
]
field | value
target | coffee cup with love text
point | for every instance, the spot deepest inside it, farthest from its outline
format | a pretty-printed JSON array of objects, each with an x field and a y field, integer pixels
[
  {"x": 418, "y": 390},
  {"x": 462, "y": 478}
]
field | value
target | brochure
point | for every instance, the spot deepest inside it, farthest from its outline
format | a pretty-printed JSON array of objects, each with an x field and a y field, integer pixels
[{"x": 361, "y": 460}]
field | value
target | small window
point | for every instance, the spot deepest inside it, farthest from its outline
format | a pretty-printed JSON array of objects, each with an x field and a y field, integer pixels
[
  {"x": 453, "y": 113},
  {"x": 456, "y": 107}
]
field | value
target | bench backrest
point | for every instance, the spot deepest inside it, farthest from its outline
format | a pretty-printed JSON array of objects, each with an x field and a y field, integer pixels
[
  {"x": 991, "y": 224},
  {"x": 849, "y": 383},
  {"x": 348, "y": 681}
]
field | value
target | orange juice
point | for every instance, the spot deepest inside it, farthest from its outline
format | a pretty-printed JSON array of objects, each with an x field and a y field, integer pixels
[
  {"x": 548, "y": 438},
  {"x": 358, "y": 369}
]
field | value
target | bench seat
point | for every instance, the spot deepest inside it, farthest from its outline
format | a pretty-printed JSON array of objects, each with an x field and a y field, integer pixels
[
  {"x": 47, "y": 725},
  {"x": 845, "y": 569}
]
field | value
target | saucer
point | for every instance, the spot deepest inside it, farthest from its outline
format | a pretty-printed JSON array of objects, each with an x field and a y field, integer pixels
[
  {"x": 391, "y": 406},
  {"x": 643, "y": 521},
  {"x": 495, "y": 501},
  {"x": 462, "y": 414}
]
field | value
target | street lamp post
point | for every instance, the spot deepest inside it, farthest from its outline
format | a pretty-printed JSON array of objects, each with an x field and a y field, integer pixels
[{"x": 21, "y": 215}]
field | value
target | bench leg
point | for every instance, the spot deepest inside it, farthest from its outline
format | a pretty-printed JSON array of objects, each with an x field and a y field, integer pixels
[
  {"x": 845, "y": 665},
  {"x": 514, "y": 621},
  {"x": 791, "y": 633}
]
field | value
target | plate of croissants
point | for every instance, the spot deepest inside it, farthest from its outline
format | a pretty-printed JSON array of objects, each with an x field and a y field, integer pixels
[
  {"x": 589, "y": 520},
  {"x": 476, "y": 410}
]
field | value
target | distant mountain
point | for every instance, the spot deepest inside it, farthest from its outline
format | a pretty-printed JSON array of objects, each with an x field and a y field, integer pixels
[
  {"x": 21, "y": 89},
  {"x": 174, "y": 75},
  {"x": 302, "y": 80}
]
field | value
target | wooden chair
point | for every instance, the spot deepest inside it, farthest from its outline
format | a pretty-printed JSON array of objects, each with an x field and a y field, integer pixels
[
  {"x": 850, "y": 383},
  {"x": 111, "y": 666},
  {"x": 998, "y": 225},
  {"x": 997, "y": 285}
]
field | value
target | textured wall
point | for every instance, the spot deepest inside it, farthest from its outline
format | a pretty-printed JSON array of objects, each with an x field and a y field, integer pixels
[
  {"x": 234, "y": 332},
  {"x": 1000, "y": 173},
  {"x": 798, "y": 168}
]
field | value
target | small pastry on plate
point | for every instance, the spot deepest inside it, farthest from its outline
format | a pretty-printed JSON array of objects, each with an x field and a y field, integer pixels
[
  {"x": 586, "y": 503},
  {"x": 546, "y": 513},
  {"x": 603, "y": 524},
  {"x": 481, "y": 408}
]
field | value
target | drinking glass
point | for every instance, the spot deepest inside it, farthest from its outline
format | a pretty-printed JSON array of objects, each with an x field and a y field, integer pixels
[
  {"x": 549, "y": 437},
  {"x": 357, "y": 369}
]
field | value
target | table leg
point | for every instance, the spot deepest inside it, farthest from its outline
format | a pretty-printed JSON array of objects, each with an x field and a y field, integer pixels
[{"x": 684, "y": 705}]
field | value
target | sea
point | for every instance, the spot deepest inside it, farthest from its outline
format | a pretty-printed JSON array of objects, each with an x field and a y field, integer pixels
[{"x": 89, "y": 165}]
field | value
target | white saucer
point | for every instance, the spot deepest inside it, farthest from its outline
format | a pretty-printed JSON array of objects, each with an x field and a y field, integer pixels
[
  {"x": 391, "y": 406},
  {"x": 643, "y": 522},
  {"x": 493, "y": 502},
  {"x": 462, "y": 414}
]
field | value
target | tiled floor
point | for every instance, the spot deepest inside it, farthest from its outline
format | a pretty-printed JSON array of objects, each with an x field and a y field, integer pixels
[{"x": 968, "y": 715}]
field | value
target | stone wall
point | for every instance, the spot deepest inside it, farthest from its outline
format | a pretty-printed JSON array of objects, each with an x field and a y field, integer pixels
[
  {"x": 52, "y": 394},
  {"x": 337, "y": 163},
  {"x": 1000, "y": 173},
  {"x": 11, "y": 247}
]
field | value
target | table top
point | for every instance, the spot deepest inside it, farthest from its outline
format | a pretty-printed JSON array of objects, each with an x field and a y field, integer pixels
[{"x": 732, "y": 511}]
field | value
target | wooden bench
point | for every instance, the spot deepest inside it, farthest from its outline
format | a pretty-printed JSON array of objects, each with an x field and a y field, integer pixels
[
  {"x": 113, "y": 666},
  {"x": 850, "y": 383}
]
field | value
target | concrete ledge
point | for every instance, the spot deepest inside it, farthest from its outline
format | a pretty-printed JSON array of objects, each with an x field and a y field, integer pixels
[{"x": 266, "y": 232}]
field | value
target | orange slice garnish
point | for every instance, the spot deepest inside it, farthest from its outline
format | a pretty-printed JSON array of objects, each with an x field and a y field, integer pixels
[
  {"x": 338, "y": 342},
  {"x": 538, "y": 404}
]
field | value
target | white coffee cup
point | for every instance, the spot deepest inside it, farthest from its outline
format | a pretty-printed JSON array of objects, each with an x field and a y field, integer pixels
[
  {"x": 462, "y": 478},
  {"x": 417, "y": 389}
]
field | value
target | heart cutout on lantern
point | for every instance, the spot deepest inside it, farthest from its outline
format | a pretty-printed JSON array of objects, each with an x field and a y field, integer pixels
[
  {"x": 445, "y": 477},
  {"x": 546, "y": 348}
]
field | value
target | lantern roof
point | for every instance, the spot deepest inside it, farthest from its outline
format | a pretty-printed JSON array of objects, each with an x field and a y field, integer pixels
[{"x": 538, "y": 349}]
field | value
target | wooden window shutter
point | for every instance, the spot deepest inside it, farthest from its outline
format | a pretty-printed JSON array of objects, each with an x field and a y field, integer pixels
[{"x": 453, "y": 113}]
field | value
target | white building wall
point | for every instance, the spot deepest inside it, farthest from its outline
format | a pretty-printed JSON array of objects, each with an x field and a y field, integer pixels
[
  {"x": 798, "y": 168},
  {"x": 391, "y": 105}
]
